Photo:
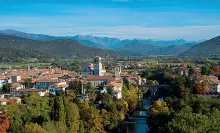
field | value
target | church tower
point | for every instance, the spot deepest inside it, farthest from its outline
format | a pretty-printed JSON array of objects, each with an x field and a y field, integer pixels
[
  {"x": 97, "y": 66},
  {"x": 118, "y": 71}
]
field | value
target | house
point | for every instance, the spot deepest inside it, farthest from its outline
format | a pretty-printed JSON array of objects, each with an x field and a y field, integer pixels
[
  {"x": 6, "y": 100},
  {"x": 15, "y": 78},
  {"x": 3, "y": 101},
  {"x": 133, "y": 78},
  {"x": 183, "y": 70},
  {"x": 22, "y": 92},
  {"x": 15, "y": 87},
  {"x": 114, "y": 88},
  {"x": 45, "y": 83},
  {"x": 57, "y": 87},
  {"x": 214, "y": 85},
  {"x": 2, "y": 82},
  {"x": 97, "y": 68},
  {"x": 99, "y": 81}
]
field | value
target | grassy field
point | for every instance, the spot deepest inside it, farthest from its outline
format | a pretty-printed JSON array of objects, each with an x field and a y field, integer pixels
[{"x": 3, "y": 65}]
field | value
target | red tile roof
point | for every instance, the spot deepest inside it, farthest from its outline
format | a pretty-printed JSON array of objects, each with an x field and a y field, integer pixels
[
  {"x": 97, "y": 78},
  {"x": 3, "y": 100},
  {"x": 183, "y": 68},
  {"x": 116, "y": 91},
  {"x": 214, "y": 81}
]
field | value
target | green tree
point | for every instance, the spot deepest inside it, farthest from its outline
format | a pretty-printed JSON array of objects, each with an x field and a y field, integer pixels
[
  {"x": 191, "y": 72},
  {"x": 204, "y": 70},
  {"x": 34, "y": 128},
  {"x": 158, "y": 115},
  {"x": 91, "y": 118},
  {"x": 132, "y": 98},
  {"x": 15, "y": 113},
  {"x": 59, "y": 110},
  {"x": 37, "y": 110},
  {"x": 81, "y": 127},
  {"x": 76, "y": 85},
  {"x": 192, "y": 123},
  {"x": 27, "y": 83},
  {"x": 90, "y": 88},
  {"x": 6, "y": 88},
  {"x": 72, "y": 116}
]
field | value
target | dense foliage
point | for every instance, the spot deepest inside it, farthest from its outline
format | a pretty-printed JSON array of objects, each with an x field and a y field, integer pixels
[
  {"x": 184, "y": 109},
  {"x": 66, "y": 113}
]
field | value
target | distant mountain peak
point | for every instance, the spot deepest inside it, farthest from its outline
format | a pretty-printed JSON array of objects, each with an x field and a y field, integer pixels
[{"x": 9, "y": 31}]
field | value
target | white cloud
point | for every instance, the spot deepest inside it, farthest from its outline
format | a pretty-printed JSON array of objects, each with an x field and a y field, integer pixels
[{"x": 130, "y": 32}]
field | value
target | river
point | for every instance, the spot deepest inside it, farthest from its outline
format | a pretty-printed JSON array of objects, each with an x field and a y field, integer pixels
[{"x": 138, "y": 124}]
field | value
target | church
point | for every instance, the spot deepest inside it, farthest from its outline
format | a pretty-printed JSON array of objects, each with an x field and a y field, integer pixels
[{"x": 96, "y": 68}]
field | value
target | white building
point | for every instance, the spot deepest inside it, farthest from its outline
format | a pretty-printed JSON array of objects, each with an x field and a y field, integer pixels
[
  {"x": 15, "y": 79},
  {"x": 115, "y": 88},
  {"x": 57, "y": 87},
  {"x": 214, "y": 85},
  {"x": 99, "y": 81},
  {"x": 96, "y": 68},
  {"x": 118, "y": 71}
]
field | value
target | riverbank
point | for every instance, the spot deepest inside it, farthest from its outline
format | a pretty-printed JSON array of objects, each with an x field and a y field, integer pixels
[{"x": 137, "y": 124}]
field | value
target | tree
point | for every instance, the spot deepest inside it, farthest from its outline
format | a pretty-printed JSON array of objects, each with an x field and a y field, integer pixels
[
  {"x": 76, "y": 85},
  {"x": 132, "y": 98},
  {"x": 204, "y": 70},
  {"x": 6, "y": 88},
  {"x": 72, "y": 116},
  {"x": 91, "y": 118},
  {"x": 178, "y": 88},
  {"x": 15, "y": 114},
  {"x": 34, "y": 128},
  {"x": 59, "y": 110},
  {"x": 50, "y": 127},
  {"x": 124, "y": 91},
  {"x": 55, "y": 127},
  {"x": 202, "y": 88},
  {"x": 192, "y": 123},
  {"x": 155, "y": 82},
  {"x": 158, "y": 115},
  {"x": 191, "y": 71},
  {"x": 27, "y": 83},
  {"x": 81, "y": 127},
  {"x": 90, "y": 88},
  {"x": 37, "y": 110},
  {"x": 4, "y": 123}
]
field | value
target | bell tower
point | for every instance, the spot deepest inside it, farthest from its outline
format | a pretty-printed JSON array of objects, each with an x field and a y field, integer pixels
[
  {"x": 97, "y": 66},
  {"x": 118, "y": 71}
]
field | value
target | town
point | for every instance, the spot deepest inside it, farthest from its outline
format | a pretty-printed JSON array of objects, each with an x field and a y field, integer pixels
[{"x": 131, "y": 89}]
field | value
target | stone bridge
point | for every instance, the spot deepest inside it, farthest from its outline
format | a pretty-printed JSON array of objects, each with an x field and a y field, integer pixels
[{"x": 154, "y": 88}]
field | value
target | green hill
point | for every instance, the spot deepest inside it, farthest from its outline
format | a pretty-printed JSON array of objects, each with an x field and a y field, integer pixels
[
  {"x": 207, "y": 48},
  {"x": 60, "y": 48},
  {"x": 15, "y": 55},
  {"x": 136, "y": 48}
]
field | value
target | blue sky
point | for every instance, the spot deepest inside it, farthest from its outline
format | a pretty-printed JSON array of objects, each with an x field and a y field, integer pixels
[{"x": 155, "y": 19}]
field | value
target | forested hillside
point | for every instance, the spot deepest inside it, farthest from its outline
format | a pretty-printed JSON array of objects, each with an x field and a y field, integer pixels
[
  {"x": 15, "y": 55},
  {"x": 60, "y": 48},
  {"x": 207, "y": 48}
]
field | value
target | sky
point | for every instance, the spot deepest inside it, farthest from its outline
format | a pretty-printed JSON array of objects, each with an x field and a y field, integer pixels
[{"x": 124, "y": 19}]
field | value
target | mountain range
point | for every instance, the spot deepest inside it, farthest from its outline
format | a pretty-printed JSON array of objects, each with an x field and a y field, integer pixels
[
  {"x": 62, "y": 48},
  {"x": 208, "y": 48},
  {"x": 131, "y": 47}
]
